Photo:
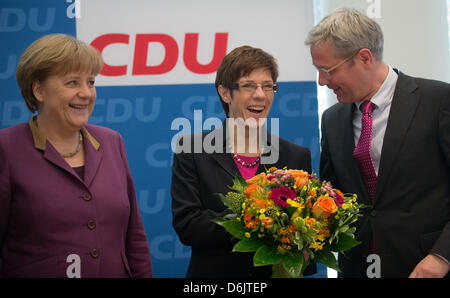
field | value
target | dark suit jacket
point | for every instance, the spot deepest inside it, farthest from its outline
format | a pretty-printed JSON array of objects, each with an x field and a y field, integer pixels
[
  {"x": 48, "y": 213},
  {"x": 410, "y": 216},
  {"x": 196, "y": 179}
]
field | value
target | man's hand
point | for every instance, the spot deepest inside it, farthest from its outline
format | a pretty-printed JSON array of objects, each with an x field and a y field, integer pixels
[{"x": 430, "y": 267}]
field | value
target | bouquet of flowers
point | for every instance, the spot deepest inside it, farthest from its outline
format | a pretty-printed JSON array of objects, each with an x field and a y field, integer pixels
[{"x": 282, "y": 214}]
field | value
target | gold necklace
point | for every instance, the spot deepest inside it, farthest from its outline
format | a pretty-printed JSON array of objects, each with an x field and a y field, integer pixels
[{"x": 72, "y": 154}]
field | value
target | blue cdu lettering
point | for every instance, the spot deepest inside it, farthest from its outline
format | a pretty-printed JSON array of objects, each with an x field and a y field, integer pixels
[
  {"x": 15, "y": 19},
  {"x": 10, "y": 68},
  {"x": 14, "y": 112},
  {"x": 210, "y": 104},
  {"x": 188, "y": 103},
  {"x": 142, "y": 113},
  {"x": 290, "y": 105},
  {"x": 157, "y": 206},
  {"x": 33, "y": 20},
  {"x": 296, "y": 105},
  {"x": 12, "y": 19},
  {"x": 155, "y": 150},
  {"x": 176, "y": 249},
  {"x": 120, "y": 110}
]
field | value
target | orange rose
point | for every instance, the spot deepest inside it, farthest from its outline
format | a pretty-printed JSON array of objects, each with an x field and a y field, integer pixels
[
  {"x": 324, "y": 207},
  {"x": 301, "y": 181},
  {"x": 301, "y": 177}
]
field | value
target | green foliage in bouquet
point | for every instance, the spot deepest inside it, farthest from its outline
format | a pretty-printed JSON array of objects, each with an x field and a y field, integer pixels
[{"x": 284, "y": 215}]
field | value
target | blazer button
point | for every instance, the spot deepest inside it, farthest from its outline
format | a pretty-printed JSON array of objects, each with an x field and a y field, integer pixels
[
  {"x": 91, "y": 225},
  {"x": 87, "y": 196},
  {"x": 373, "y": 213},
  {"x": 95, "y": 253}
]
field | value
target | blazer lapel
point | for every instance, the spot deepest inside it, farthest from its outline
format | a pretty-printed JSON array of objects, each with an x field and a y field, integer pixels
[
  {"x": 93, "y": 156},
  {"x": 403, "y": 107},
  {"x": 224, "y": 159},
  {"x": 343, "y": 140},
  {"x": 55, "y": 158}
]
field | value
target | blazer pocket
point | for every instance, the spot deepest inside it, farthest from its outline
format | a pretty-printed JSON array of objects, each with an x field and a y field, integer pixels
[
  {"x": 125, "y": 263},
  {"x": 427, "y": 241}
]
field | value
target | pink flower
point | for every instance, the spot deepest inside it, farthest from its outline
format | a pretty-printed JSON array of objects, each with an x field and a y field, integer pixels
[
  {"x": 281, "y": 194},
  {"x": 339, "y": 199}
]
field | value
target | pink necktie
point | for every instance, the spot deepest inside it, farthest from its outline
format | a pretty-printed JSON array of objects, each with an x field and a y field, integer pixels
[
  {"x": 362, "y": 155},
  {"x": 362, "y": 150}
]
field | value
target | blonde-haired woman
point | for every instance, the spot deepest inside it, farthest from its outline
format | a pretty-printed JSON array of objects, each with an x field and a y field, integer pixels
[{"x": 67, "y": 200}]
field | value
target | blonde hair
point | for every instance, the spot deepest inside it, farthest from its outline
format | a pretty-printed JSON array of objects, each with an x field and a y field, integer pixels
[
  {"x": 349, "y": 31},
  {"x": 54, "y": 54}
]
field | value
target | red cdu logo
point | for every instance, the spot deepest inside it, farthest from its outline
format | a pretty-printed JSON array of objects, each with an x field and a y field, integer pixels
[{"x": 171, "y": 52}]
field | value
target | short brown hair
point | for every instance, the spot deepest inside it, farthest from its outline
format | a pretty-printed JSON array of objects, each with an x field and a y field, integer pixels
[
  {"x": 54, "y": 54},
  {"x": 241, "y": 62}
]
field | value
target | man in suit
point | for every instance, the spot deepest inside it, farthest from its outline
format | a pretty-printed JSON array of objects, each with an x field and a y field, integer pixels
[{"x": 388, "y": 141}]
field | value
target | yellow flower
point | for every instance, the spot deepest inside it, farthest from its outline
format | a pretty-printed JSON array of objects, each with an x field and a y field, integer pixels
[
  {"x": 345, "y": 206},
  {"x": 294, "y": 203},
  {"x": 247, "y": 234},
  {"x": 262, "y": 216},
  {"x": 317, "y": 245},
  {"x": 319, "y": 237}
]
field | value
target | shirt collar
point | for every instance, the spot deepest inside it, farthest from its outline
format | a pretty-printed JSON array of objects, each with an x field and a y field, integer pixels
[
  {"x": 40, "y": 140},
  {"x": 384, "y": 95}
]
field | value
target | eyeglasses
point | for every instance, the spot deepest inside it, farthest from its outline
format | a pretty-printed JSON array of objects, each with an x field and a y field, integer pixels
[
  {"x": 251, "y": 87},
  {"x": 327, "y": 72}
]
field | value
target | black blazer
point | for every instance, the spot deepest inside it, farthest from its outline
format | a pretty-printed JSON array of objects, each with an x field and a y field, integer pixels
[
  {"x": 196, "y": 179},
  {"x": 411, "y": 210}
]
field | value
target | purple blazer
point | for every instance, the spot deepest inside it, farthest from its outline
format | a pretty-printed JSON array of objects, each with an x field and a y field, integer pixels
[{"x": 48, "y": 213}]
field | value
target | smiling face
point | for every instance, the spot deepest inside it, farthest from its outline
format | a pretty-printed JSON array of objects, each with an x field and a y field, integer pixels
[
  {"x": 349, "y": 81},
  {"x": 66, "y": 101},
  {"x": 247, "y": 104}
]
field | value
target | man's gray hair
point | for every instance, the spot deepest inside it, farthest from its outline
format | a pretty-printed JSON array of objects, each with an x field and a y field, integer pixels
[{"x": 349, "y": 31}]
